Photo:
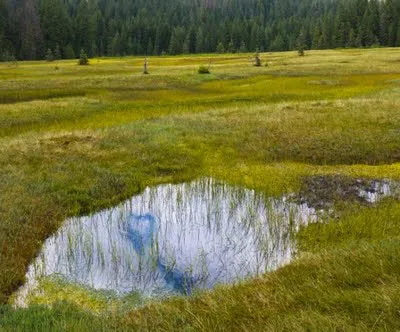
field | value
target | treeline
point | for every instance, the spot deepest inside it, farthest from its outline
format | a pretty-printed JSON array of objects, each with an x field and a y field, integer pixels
[{"x": 34, "y": 29}]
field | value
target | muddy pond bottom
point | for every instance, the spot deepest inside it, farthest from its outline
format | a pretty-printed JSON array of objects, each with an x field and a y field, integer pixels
[{"x": 172, "y": 239}]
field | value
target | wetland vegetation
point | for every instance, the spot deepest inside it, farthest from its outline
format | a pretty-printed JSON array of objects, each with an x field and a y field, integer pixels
[{"x": 322, "y": 129}]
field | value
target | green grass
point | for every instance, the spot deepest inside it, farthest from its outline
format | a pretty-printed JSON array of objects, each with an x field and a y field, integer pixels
[{"x": 78, "y": 139}]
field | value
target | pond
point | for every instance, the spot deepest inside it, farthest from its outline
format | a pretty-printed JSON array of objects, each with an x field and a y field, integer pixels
[{"x": 174, "y": 239}]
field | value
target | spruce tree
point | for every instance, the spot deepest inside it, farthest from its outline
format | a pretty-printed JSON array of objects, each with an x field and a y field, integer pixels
[
  {"x": 83, "y": 58},
  {"x": 29, "y": 27}
]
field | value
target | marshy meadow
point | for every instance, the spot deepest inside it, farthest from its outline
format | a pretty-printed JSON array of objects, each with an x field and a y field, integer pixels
[{"x": 249, "y": 198}]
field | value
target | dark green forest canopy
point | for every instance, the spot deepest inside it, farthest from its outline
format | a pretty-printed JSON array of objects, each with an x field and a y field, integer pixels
[{"x": 31, "y": 29}]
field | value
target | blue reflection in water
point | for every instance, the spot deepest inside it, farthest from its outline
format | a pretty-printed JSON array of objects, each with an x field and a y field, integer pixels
[{"x": 141, "y": 231}]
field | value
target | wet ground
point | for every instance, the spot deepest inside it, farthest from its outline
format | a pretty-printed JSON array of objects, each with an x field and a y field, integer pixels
[{"x": 323, "y": 192}]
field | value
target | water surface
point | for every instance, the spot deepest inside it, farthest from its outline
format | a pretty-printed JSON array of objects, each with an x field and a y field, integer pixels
[{"x": 176, "y": 238}]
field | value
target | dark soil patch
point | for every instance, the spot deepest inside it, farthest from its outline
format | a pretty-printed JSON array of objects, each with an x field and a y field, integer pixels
[{"x": 323, "y": 192}]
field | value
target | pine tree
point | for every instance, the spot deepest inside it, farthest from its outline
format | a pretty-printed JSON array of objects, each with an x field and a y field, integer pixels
[
  {"x": 28, "y": 28},
  {"x": 83, "y": 58}
]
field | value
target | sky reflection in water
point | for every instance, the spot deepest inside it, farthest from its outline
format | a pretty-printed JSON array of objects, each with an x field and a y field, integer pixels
[{"x": 173, "y": 239}]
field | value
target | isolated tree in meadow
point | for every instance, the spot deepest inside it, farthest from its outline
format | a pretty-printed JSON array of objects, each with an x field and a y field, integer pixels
[
  {"x": 257, "y": 60},
  {"x": 83, "y": 58}
]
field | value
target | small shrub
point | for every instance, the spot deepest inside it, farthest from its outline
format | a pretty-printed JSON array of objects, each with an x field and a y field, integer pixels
[
  {"x": 83, "y": 59},
  {"x": 257, "y": 60},
  {"x": 203, "y": 70}
]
